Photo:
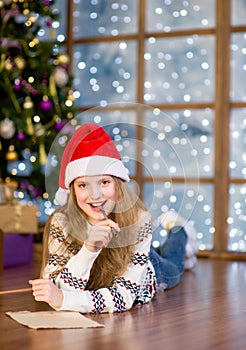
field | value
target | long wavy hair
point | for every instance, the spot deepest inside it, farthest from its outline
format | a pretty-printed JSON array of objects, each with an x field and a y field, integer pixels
[{"x": 113, "y": 260}]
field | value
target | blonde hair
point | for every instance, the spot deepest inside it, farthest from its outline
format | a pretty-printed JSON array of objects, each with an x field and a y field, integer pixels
[{"x": 113, "y": 260}]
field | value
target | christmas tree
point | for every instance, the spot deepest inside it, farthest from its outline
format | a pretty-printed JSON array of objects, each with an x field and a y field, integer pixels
[{"x": 36, "y": 91}]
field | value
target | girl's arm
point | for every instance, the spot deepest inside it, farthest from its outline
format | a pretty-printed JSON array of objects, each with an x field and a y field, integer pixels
[{"x": 137, "y": 283}]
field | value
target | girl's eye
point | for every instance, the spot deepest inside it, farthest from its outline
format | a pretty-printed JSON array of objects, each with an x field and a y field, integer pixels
[
  {"x": 105, "y": 182},
  {"x": 82, "y": 185}
]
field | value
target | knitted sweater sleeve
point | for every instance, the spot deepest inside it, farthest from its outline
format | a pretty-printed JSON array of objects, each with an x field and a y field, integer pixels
[{"x": 132, "y": 286}]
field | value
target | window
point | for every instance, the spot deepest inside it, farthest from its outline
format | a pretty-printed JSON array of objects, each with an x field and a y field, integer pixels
[{"x": 167, "y": 80}]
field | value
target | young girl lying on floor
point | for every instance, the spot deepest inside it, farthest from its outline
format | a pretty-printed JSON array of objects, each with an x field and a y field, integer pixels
[{"x": 97, "y": 246}]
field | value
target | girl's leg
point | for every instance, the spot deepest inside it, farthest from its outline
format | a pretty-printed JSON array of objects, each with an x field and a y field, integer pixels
[
  {"x": 170, "y": 219},
  {"x": 174, "y": 247},
  {"x": 169, "y": 263}
]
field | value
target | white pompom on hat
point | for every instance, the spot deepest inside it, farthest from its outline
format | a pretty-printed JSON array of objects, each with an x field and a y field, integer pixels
[{"x": 90, "y": 152}]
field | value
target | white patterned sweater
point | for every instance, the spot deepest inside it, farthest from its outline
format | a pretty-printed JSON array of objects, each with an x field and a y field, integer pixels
[{"x": 136, "y": 286}]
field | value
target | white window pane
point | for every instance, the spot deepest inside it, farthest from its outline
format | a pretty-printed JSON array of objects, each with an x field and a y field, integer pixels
[
  {"x": 180, "y": 69},
  {"x": 105, "y": 72},
  {"x": 237, "y": 162},
  {"x": 100, "y": 18},
  {"x": 167, "y": 15},
  {"x": 192, "y": 202},
  {"x": 237, "y": 219},
  {"x": 238, "y": 67},
  {"x": 238, "y": 12},
  {"x": 179, "y": 143}
]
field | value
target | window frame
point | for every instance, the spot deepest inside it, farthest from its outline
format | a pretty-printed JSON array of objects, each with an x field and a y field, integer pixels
[{"x": 221, "y": 105}]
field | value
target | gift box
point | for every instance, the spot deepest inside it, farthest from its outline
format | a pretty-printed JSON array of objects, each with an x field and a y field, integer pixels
[
  {"x": 18, "y": 218},
  {"x": 18, "y": 223},
  {"x": 17, "y": 249}
]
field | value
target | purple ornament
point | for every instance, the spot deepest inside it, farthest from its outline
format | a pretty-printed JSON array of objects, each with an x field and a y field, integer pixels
[
  {"x": 47, "y": 2},
  {"x": 59, "y": 125},
  {"x": 21, "y": 136},
  {"x": 45, "y": 105},
  {"x": 48, "y": 23},
  {"x": 17, "y": 86}
]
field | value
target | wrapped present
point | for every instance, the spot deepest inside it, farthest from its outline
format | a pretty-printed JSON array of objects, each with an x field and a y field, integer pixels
[
  {"x": 18, "y": 218},
  {"x": 17, "y": 249},
  {"x": 7, "y": 189}
]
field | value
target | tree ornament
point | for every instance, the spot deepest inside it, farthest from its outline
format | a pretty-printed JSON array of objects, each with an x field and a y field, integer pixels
[
  {"x": 21, "y": 136},
  {"x": 63, "y": 59},
  {"x": 61, "y": 76},
  {"x": 33, "y": 17},
  {"x": 17, "y": 85},
  {"x": 7, "y": 128},
  {"x": 45, "y": 104},
  {"x": 52, "y": 32},
  {"x": 28, "y": 107},
  {"x": 11, "y": 154},
  {"x": 8, "y": 65},
  {"x": 47, "y": 2},
  {"x": 29, "y": 126},
  {"x": 42, "y": 154},
  {"x": 20, "y": 62},
  {"x": 28, "y": 104},
  {"x": 59, "y": 124},
  {"x": 39, "y": 130}
]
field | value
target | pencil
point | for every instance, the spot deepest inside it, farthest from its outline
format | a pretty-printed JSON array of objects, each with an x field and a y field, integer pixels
[
  {"x": 106, "y": 218},
  {"x": 15, "y": 291}
]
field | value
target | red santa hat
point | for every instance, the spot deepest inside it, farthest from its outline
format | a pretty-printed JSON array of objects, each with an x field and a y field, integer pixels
[{"x": 90, "y": 152}]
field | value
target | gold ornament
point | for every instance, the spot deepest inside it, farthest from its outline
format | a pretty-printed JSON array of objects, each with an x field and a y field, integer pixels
[
  {"x": 33, "y": 43},
  {"x": 52, "y": 86},
  {"x": 42, "y": 154},
  {"x": 52, "y": 32},
  {"x": 33, "y": 17},
  {"x": 11, "y": 154},
  {"x": 29, "y": 126},
  {"x": 26, "y": 12},
  {"x": 28, "y": 104},
  {"x": 8, "y": 65},
  {"x": 62, "y": 58},
  {"x": 20, "y": 62}
]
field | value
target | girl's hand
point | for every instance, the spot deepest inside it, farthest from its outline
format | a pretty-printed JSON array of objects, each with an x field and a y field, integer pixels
[
  {"x": 45, "y": 290},
  {"x": 100, "y": 235}
]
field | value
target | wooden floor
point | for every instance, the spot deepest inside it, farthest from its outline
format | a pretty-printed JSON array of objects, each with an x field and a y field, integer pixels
[{"x": 206, "y": 311}]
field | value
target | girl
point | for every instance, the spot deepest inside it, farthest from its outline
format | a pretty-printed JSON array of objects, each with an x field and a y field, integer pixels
[{"x": 97, "y": 254}]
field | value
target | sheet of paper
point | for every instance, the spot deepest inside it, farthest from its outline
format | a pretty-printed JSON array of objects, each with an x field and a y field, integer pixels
[{"x": 52, "y": 319}]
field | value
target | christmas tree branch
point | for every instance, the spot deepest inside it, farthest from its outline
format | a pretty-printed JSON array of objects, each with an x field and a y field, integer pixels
[{"x": 12, "y": 94}]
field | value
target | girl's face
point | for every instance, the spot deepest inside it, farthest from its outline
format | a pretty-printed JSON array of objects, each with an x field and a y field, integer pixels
[{"x": 92, "y": 192}]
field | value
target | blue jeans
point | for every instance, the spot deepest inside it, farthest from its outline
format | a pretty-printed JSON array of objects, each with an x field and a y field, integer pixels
[{"x": 168, "y": 260}]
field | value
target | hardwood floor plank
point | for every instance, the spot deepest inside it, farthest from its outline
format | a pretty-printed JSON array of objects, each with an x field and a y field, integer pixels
[{"x": 206, "y": 311}]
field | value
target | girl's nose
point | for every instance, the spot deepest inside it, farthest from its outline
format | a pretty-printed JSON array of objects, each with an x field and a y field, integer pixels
[{"x": 95, "y": 192}]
